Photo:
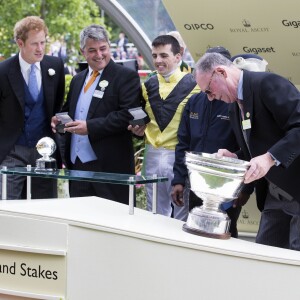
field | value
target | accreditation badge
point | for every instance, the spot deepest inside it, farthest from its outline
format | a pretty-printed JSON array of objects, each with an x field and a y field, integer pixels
[
  {"x": 98, "y": 94},
  {"x": 246, "y": 124}
]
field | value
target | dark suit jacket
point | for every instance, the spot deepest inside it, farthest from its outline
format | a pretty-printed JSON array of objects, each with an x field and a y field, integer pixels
[
  {"x": 108, "y": 118},
  {"x": 273, "y": 106},
  {"x": 125, "y": 43},
  {"x": 12, "y": 97}
]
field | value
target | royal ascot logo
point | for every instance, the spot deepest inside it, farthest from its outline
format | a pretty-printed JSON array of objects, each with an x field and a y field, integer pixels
[
  {"x": 246, "y": 23},
  {"x": 293, "y": 24},
  {"x": 245, "y": 214},
  {"x": 247, "y": 219},
  {"x": 248, "y": 28},
  {"x": 199, "y": 26},
  {"x": 200, "y": 53},
  {"x": 257, "y": 50}
]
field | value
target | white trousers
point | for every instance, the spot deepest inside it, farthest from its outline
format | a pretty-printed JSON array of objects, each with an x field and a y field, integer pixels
[{"x": 160, "y": 161}]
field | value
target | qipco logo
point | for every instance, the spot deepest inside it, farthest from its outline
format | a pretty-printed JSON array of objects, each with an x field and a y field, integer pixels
[
  {"x": 199, "y": 26},
  {"x": 295, "y": 24}
]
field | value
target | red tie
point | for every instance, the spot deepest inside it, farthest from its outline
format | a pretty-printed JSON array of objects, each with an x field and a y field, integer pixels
[{"x": 91, "y": 80}]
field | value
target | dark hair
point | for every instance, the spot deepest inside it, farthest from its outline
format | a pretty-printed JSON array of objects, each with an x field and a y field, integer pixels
[{"x": 163, "y": 40}]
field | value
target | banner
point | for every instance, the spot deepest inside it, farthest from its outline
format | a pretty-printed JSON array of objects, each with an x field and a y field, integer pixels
[
  {"x": 267, "y": 28},
  {"x": 32, "y": 273}
]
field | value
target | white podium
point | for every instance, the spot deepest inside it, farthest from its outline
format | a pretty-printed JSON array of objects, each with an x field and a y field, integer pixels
[{"x": 91, "y": 248}]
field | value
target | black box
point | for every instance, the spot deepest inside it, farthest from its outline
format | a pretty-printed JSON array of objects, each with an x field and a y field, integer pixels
[{"x": 140, "y": 117}]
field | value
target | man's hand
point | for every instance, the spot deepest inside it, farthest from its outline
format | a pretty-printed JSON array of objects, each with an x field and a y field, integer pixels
[
  {"x": 137, "y": 130},
  {"x": 77, "y": 127},
  {"x": 177, "y": 194},
  {"x": 259, "y": 167},
  {"x": 54, "y": 122},
  {"x": 225, "y": 152},
  {"x": 241, "y": 200}
]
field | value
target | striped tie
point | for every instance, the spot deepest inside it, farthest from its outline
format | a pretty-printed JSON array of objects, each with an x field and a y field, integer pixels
[{"x": 91, "y": 80}]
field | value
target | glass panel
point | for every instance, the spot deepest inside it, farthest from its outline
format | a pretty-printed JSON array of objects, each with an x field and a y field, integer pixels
[
  {"x": 85, "y": 176},
  {"x": 151, "y": 16}
]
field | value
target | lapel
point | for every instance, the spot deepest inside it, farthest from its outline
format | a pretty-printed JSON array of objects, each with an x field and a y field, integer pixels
[
  {"x": 76, "y": 90},
  {"x": 48, "y": 83},
  {"x": 107, "y": 74},
  {"x": 16, "y": 80},
  {"x": 235, "y": 118},
  {"x": 248, "y": 100}
]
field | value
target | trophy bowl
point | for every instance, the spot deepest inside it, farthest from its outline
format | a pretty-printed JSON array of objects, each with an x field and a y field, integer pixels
[
  {"x": 46, "y": 147},
  {"x": 215, "y": 180}
]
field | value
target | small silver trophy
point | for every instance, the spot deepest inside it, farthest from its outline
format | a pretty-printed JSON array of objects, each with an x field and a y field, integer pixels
[
  {"x": 46, "y": 147},
  {"x": 216, "y": 181}
]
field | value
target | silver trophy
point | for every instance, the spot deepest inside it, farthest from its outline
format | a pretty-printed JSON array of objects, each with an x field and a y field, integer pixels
[
  {"x": 46, "y": 147},
  {"x": 216, "y": 181}
]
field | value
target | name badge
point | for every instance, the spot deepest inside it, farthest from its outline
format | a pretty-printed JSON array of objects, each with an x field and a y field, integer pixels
[
  {"x": 98, "y": 94},
  {"x": 246, "y": 124}
]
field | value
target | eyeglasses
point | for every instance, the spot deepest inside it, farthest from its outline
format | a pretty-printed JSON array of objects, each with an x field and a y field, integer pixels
[{"x": 207, "y": 91}]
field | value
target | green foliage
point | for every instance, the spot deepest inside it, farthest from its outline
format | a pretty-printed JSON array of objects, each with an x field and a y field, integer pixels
[
  {"x": 139, "y": 146},
  {"x": 65, "y": 19},
  {"x": 141, "y": 200},
  {"x": 68, "y": 79}
]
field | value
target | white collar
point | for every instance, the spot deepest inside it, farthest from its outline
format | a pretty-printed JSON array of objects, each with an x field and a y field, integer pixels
[{"x": 26, "y": 66}]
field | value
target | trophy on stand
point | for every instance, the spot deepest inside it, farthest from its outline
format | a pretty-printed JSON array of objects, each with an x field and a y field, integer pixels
[
  {"x": 215, "y": 180},
  {"x": 46, "y": 147}
]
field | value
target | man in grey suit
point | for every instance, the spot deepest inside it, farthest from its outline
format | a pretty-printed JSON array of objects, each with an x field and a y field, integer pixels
[
  {"x": 31, "y": 91},
  {"x": 98, "y": 102},
  {"x": 265, "y": 116}
]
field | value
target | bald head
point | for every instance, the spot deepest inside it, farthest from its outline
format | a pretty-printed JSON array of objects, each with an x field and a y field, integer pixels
[
  {"x": 209, "y": 61},
  {"x": 217, "y": 77}
]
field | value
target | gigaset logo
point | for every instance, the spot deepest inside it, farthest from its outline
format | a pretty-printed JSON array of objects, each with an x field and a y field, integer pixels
[
  {"x": 295, "y": 24},
  {"x": 258, "y": 50},
  {"x": 199, "y": 26}
]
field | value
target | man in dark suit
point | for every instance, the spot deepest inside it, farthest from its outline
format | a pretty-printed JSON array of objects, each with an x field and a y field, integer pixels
[
  {"x": 265, "y": 114},
  {"x": 122, "y": 42},
  {"x": 98, "y": 102},
  {"x": 204, "y": 127},
  {"x": 31, "y": 91}
]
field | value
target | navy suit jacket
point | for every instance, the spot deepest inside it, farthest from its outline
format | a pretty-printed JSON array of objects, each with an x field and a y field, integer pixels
[
  {"x": 12, "y": 97},
  {"x": 204, "y": 127},
  {"x": 272, "y": 104},
  {"x": 108, "y": 118}
]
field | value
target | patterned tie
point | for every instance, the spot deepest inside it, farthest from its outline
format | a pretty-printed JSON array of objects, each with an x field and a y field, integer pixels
[
  {"x": 32, "y": 83},
  {"x": 242, "y": 117},
  {"x": 91, "y": 80}
]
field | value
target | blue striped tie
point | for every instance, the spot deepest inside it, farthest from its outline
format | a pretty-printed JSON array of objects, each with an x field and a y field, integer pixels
[{"x": 32, "y": 83}]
